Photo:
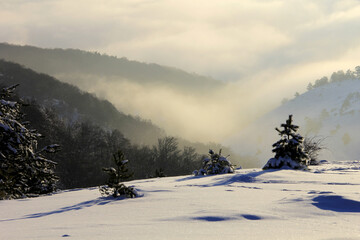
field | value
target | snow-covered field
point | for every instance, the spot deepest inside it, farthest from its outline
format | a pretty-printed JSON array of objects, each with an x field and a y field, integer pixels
[{"x": 323, "y": 203}]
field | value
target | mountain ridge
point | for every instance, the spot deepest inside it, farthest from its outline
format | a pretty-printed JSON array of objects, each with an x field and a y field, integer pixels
[{"x": 74, "y": 62}]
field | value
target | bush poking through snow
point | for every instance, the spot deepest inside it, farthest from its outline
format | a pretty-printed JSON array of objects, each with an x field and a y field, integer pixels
[
  {"x": 215, "y": 164},
  {"x": 114, "y": 185},
  {"x": 289, "y": 150},
  {"x": 24, "y": 171},
  {"x": 312, "y": 147}
]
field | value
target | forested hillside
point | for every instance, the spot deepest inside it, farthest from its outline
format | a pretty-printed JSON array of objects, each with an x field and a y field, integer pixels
[
  {"x": 75, "y": 66},
  {"x": 74, "y": 104},
  {"x": 172, "y": 99},
  {"x": 90, "y": 130}
]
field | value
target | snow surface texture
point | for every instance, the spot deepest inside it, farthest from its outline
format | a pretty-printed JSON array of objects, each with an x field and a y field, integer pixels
[
  {"x": 331, "y": 111},
  {"x": 283, "y": 163},
  {"x": 323, "y": 203}
]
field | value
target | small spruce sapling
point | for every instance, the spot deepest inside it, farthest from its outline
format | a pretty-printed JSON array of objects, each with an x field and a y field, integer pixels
[
  {"x": 215, "y": 164},
  {"x": 114, "y": 185},
  {"x": 289, "y": 150}
]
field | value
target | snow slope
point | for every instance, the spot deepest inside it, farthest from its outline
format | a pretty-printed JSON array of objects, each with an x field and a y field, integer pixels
[
  {"x": 323, "y": 203},
  {"x": 331, "y": 111}
]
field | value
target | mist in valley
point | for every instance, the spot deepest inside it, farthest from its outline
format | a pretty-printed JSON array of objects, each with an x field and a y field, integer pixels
[
  {"x": 239, "y": 60},
  {"x": 197, "y": 115}
]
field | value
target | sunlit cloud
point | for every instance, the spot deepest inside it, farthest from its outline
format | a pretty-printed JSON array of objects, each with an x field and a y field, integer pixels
[{"x": 228, "y": 40}]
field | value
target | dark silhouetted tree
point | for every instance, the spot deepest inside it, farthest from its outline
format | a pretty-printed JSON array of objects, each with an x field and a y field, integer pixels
[
  {"x": 167, "y": 155},
  {"x": 24, "y": 171}
]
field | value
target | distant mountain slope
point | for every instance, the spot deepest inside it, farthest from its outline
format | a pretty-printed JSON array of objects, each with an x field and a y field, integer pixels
[
  {"x": 331, "y": 111},
  {"x": 150, "y": 91},
  {"x": 74, "y": 103},
  {"x": 73, "y": 66}
]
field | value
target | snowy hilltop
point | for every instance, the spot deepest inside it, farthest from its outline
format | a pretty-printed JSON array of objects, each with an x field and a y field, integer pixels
[
  {"x": 330, "y": 112},
  {"x": 322, "y": 203}
]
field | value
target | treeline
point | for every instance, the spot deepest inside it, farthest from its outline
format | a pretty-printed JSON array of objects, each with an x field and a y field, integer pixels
[
  {"x": 87, "y": 147},
  {"x": 338, "y": 76}
]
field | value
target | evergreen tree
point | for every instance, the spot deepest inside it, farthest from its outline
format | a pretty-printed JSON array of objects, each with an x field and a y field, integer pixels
[
  {"x": 159, "y": 173},
  {"x": 310, "y": 87},
  {"x": 289, "y": 149},
  {"x": 357, "y": 72},
  {"x": 24, "y": 171},
  {"x": 114, "y": 186},
  {"x": 216, "y": 164}
]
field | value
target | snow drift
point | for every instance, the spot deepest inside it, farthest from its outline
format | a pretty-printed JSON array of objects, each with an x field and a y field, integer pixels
[{"x": 322, "y": 203}]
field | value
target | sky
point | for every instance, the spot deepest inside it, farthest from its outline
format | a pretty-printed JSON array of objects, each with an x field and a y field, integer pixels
[
  {"x": 273, "y": 48},
  {"x": 225, "y": 39}
]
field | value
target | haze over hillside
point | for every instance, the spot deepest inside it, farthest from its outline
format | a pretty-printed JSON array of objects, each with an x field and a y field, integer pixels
[
  {"x": 195, "y": 107},
  {"x": 188, "y": 105},
  {"x": 268, "y": 50},
  {"x": 75, "y": 105},
  {"x": 330, "y": 111}
]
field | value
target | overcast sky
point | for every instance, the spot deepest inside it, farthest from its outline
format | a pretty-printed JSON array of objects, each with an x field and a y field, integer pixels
[
  {"x": 228, "y": 40},
  {"x": 269, "y": 48}
]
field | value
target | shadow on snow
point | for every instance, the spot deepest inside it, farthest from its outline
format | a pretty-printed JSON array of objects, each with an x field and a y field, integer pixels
[
  {"x": 336, "y": 203},
  {"x": 226, "y": 179},
  {"x": 99, "y": 201},
  {"x": 213, "y": 218},
  {"x": 219, "y": 219},
  {"x": 245, "y": 178}
]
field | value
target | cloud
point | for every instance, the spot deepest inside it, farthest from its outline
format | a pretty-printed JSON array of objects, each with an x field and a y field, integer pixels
[
  {"x": 224, "y": 39},
  {"x": 191, "y": 115}
]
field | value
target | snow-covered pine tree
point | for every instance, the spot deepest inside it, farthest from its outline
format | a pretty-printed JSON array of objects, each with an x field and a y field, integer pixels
[
  {"x": 114, "y": 185},
  {"x": 289, "y": 152},
  {"x": 215, "y": 164},
  {"x": 24, "y": 171}
]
